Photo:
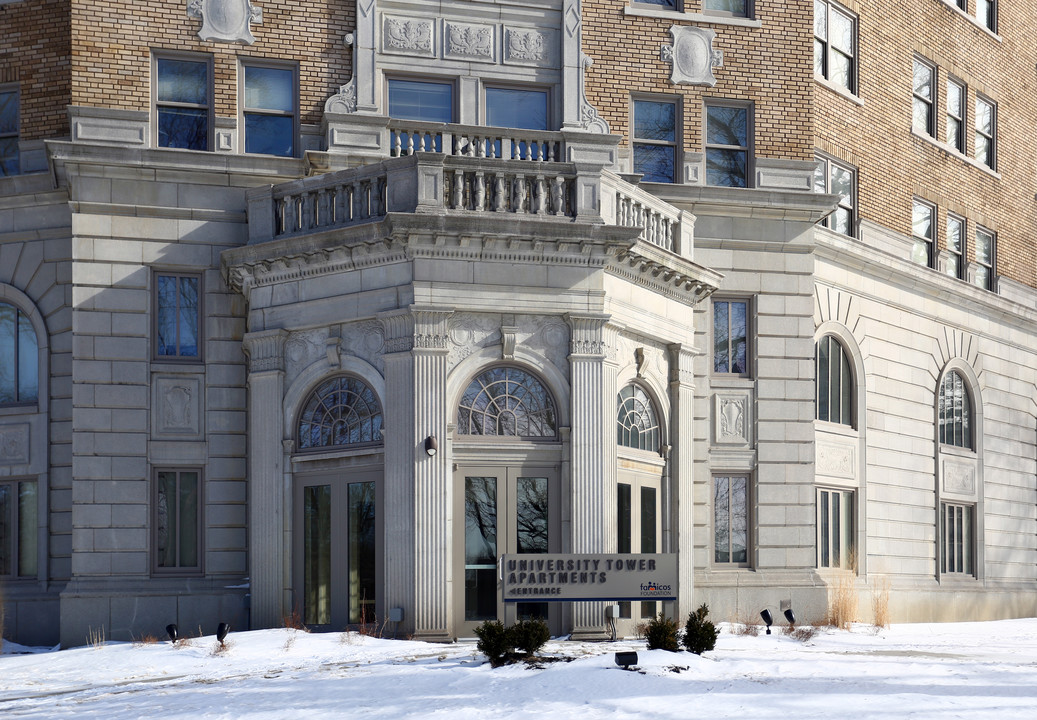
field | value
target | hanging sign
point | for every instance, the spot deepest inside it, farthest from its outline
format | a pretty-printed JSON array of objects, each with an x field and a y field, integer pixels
[{"x": 604, "y": 576}]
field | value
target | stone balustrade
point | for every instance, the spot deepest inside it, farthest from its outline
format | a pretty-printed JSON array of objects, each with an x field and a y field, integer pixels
[
  {"x": 661, "y": 224},
  {"x": 408, "y": 137}
]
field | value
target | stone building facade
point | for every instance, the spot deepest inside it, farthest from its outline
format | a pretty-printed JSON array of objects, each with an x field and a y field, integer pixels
[{"x": 318, "y": 308}]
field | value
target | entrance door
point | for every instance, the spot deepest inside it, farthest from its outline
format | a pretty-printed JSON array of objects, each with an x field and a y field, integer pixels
[
  {"x": 336, "y": 559},
  {"x": 503, "y": 510},
  {"x": 640, "y": 525}
]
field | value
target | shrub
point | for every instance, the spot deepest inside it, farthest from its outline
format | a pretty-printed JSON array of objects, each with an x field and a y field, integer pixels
[
  {"x": 661, "y": 634},
  {"x": 494, "y": 641},
  {"x": 700, "y": 635},
  {"x": 529, "y": 635}
]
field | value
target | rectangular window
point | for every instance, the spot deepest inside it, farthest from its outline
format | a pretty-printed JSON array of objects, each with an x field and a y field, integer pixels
[
  {"x": 956, "y": 115},
  {"x": 839, "y": 179},
  {"x": 731, "y": 519},
  {"x": 956, "y": 246},
  {"x": 835, "y": 546},
  {"x": 730, "y": 336},
  {"x": 672, "y": 4},
  {"x": 728, "y": 152},
  {"x": 986, "y": 245},
  {"x": 956, "y": 540},
  {"x": 835, "y": 40},
  {"x": 733, "y": 8},
  {"x": 986, "y": 14},
  {"x": 178, "y": 316},
  {"x": 516, "y": 108},
  {"x": 316, "y": 554},
  {"x": 183, "y": 102},
  {"x": 269, "y": 109},
  {"x": 986, "y": 131},
  {"x": 18, "y": 546},
  {"x": 177, "y": 521},
  {"x": 924, "y": 100},
  {"x": 655, "y": 140},
  {"x": 923, "y": 224},
  {"x": 9, "y": 129},
  {"x": 362, "y": 544},
  {"x": 421, "y": 100}
]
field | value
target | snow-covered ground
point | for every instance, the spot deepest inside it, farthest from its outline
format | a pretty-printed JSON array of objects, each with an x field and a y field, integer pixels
[{"x": 963, "y": 670}]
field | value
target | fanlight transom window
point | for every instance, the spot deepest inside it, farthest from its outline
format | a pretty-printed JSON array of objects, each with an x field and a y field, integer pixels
[
  {"x": 342, "y": 411},
  {"x": 955, "y": 412},
  {"x": 636, "y": 424},
  {"x": 507, "y": 401}
]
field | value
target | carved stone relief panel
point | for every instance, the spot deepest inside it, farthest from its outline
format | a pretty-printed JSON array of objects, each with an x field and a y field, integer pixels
[
  {"x": 301, "y": 349},
  {"x": 226, "y": 20},
  {"x": 469, "y": 332},
  {"x": 530, "y": 46},
  {"x": 14, "y": 444},
  {"x": 547, "y": 336},
  {"x": 959, "y": 477},
  {"x": 732, "y": 418},
  {"x": 177, "y": 406},
  {"x": 464, "y": 41},
  {"x": 836, "y": 459},
  {"x": 692, "y": 56},
  {"x": 365, "y": 340},
  {"x": 409, "y": 36}
]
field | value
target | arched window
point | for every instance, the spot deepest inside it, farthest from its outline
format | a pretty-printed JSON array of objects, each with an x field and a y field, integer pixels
[
  {"x": 342, "y": 411},
  {"x": 636, "y": 424},
  {"x": 507, "y": 401},
  {"x": 955, "y": 408},
  {"x": 834, "y": 401},
  {"x": 19, "y": 357}
]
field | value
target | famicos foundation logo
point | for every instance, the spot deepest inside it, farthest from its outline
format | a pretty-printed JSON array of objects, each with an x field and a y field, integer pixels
[{"x": 653, "y": 589}]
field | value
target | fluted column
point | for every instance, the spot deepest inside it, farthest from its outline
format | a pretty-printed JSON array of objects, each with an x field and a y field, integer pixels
[
  {"x": 267, "y": 544},
  {"x": 593, "y": 500},
  {"x": 682, "y": 441}
]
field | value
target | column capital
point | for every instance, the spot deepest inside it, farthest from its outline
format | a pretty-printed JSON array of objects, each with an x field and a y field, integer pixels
[
  {"x": 416, "y": 328},
  {"x": 265, "y": 350},
  {"x": 682, "y": 359},
  {"x": 587, "y": 340}
]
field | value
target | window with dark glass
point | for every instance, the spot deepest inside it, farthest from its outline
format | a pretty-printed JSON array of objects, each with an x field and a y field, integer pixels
[
  {"x": 19, "y": 357},
  {"x": 734, "y": 8},
  {"x": 986, "y": 244},
  {"x": 923, "y": 230},
  {"x": 516, "y": 108},
  {"x": 835, "y": 178},
  {"x": 183, "y": 96},
  {"x": 924, "y": 98},
  {"x": 341, "y": 411},
  {"x": 178, "y": 316},
  {"x": 18, "y": 522},
  {"x": 731, "y": 519},
  {"x": 9, "y": 129},
  {"x": 507, "y": 401},
  {"x": 637, "y": 426},
  {"x": 834, "y": 401},
  {"x": 177, "y": 520},
  {"x": 730, "y": 336},
  {"x": 986, "y": 14},
  {"x": 955, "y": 246},
  {"x": 956, "y": 539},
  {"x": 835, "y": 40},
  {"x": 956, "y": 115},
  {"x": 727, "y": 144},
  {"x": 986, "y": 130},
  {"x": 655, "y": 140},
  {"x": 421, "y": 100},
  {"x": 269, "y": 110},
  {"x": 835, "y": 528},
  {"x": 955, "y": 412}
]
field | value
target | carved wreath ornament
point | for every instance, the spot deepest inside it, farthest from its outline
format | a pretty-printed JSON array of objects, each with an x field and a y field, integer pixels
[
  {"x": 226, "y": 20},
  {"x": 692, "y": 56}
]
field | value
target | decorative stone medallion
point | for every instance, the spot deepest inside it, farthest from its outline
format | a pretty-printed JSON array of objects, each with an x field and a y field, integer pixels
[
  {"x": 692, "y": 56},
  {"x": 226, "y": 20}
]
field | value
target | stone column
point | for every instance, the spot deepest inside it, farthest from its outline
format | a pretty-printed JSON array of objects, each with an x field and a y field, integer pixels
[
  {"x": 266, "y": 545},
  {"x": 593, "y": 497},
  {"x": 681, "y": 458}
]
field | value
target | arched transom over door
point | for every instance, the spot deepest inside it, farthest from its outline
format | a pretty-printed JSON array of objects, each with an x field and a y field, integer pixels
[
  {"x": 337, "y": 561},
  {"x": 506, "y": 491}
]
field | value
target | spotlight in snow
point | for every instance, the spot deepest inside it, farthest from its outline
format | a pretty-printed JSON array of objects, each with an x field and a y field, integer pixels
[
  {"x": 768, "y": 621},
  {"x": 790, "y": 616},
  {"x": 221, "y": 631},
  {"x": 626, "y": 659},
  {"x": 171, "y": 631}
]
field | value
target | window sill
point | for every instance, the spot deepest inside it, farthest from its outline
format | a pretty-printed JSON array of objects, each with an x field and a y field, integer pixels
[
  {"x": 976, "y": 23},
  {"x": 956, "y": 154},
  {"x": 692, "y": 17},
  {"x": 835, "y": 428},
  {"x": 165, "y": 365},
  {"x": 32, "y": 408},
  {"x": 730, "y": 381},
  {"x": 838, "y": 90}
]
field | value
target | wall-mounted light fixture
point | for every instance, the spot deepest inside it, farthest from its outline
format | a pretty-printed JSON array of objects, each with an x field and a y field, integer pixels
[{"x": 431, "y": 445}]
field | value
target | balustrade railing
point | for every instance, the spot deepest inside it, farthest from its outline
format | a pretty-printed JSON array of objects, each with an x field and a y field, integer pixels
[
  {"x": 407, "y": 138},
  {"x": 333, "y": 200},
  {"x": 660, "y": 222}
]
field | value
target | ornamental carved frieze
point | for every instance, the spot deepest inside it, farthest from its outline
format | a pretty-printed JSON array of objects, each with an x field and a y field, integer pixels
[
  {"x": 410, "y": 37},
  {"x": 959, "y": 478},
  {"x": 835, "y": 460},
  {"x": 732, "y": 418},
  {"x": 475, "y": 42},
  {"x": 226, "y": 20},
  {"x": 692, "y": 56},
  {"x": 14, "y": 444}
]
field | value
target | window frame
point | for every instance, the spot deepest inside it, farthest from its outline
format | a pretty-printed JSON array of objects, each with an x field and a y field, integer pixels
[
  {"x": 461, "y": 427},
  {"x": 827, "y": 48},
  {"x": 730, "y": 478},
  {"x": 542, "y": 89},
  {"x": 959, "y": 256},
  {"x": 991, "y": 265},
  {"x": 678, "y": 133},
  {"x": 315, "y": 397},
  {"x": 747, "y": 301},
  {"x": 958, "y": 142},
  {"x": 15, "y": 90},
  {"x": 178, "y": 569},
  {"x": 749, "y": 148},
  {"x": 847, "y": 411},
  {"x": 449, "y": 82},
  {"x": 200, "y": 319},
  {"x": 210, "y": 93},
  {"x": 21, "y": 316},
  {"x": 930, "y": 103},
  {"x": 958, "y": 564},
  {"x": 990, "y": 22},
  {"x": 245, "y": 111},
  {"x": 991, "y": 159},
  {"x": 650, "y": 414},
  {"x": 750, "y": 10},
  {"x": 918, "y": 240},
  {"x": 846, "y": 513},
  {"x": 15, "y": 521},
  {"x": 947, "y": 414},
  {"x": 827, "y": 162}
]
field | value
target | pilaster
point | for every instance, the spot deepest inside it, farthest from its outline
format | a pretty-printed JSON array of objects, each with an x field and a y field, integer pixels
[{"x": 681, "y": 459}]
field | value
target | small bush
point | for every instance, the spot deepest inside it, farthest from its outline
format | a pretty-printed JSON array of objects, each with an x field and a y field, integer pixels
[
  {"x": 529, "y": 635},
  {"x": 494, "y": 641},
  {"x": 661, "y": 634},
  {"x": 700, "y": 635}
]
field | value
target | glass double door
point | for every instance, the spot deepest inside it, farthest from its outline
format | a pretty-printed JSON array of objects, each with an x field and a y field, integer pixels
[
  {"x": 640, "y": 529},
  {"x": 336, "y": 558},
  {"x": 501, "y": 510}
]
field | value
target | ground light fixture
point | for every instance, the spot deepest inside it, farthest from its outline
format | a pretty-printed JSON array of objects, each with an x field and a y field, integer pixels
[
  {"x": 172, "y": 632},
  {"x": 221, "y": 631},
  {"x": 431, "y": 445},
  {"x": 626, "y": 658},
  {"x": 767, "y": 620},
  {"x": 790, "y": 616}
]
